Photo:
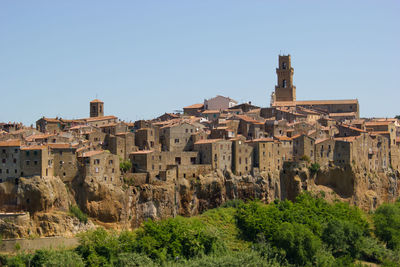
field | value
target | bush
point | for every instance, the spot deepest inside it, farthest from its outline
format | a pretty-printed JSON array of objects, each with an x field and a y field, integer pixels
[
  {"x": 132, "y": 259},
  {"x": 387, "y": 224},
  {"x": 305, "y": 158},
  {"x": 175, "y": 237},
  {"x": 125, "y": 165},
  {"x": 314, "y": 168},
  {"x": 76, "y": 211},
  {"x": 51, "y": 258}
]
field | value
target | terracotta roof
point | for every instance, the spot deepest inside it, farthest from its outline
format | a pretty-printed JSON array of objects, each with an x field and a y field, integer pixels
[
  {"x": 91, "y": 153},
  {"x": 35, "y": 147},
  {"x": 296, "y": 136},
  {"x": 343, "y": 114},
  {"x": 246, "y": 118},
  {"x": 10, "y": 143},
  {"x": 379, "y": 132},
  {"x": 283, "y": 138},
  {"x": 378, "y": 123},
  {"x": 100, "y": 118},
  {"x": 262, "y": 140},
  {"x": 321, "y": 140},
  {"x": 96, "y": 101},
  {"x": 108, "y": 125},
  {"x": 314, "y": 102},
  {"x": 207, "y": 141},
  {"x": 352, "y": 128},
  {"x": 346, "y": 139},
  {"x": 51, "y": 119},
  {"x": 59, "y": 146},
  {"x": 194, "y": 106},
  {"x": 211, "y": 111},
  {"x": 140, "y": 152}
]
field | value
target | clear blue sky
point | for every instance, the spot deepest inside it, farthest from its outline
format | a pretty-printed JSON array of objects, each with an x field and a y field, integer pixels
[{"x": 144, "y": 58}]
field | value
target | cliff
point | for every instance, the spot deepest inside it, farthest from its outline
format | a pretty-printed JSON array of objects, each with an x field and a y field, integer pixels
[{"x": 48, "y": 199}]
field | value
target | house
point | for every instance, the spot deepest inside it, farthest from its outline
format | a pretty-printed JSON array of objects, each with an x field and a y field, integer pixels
[{"x": 219, "y": 103}]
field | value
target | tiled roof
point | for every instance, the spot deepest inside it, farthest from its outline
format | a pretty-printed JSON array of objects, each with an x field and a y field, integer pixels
[
  {"x": 194, "y": 106},
  {"x": 35, "y": 147},
  {"x": 140, "y": 152},
  {"x": 59, "y": 146},
  {"x": 10, "y": 143},
  {"x": 343, "y": 114},
  {"x": 314, "y": 102},
  {"x": 211, "y": 111},
  {"x": 321, "y": 140},
  {"x": 91, "y": 153},
  {"x": 378, "y": 123},
  {"x": 96, "y": 101},
  {"x": 100, "y": 118},
  {"x": 262, "y": 140},
  {"x": 207, "y": 141},
  {"x": 283, "y": 138}
]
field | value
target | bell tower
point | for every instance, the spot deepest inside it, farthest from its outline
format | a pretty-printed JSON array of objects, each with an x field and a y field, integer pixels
[
  {"x": 96, "y": 108},
  {"x": 285, "y": 90}
]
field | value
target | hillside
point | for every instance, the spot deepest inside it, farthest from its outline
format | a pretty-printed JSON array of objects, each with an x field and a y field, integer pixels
[{"x": 309, "y": 231}]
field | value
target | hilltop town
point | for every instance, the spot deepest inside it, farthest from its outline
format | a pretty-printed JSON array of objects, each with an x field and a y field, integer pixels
[{"x": 215, "y": 150}]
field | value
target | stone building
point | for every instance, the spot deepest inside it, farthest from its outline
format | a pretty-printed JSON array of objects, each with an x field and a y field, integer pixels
[
  {"x": 36, "y": 161},
  {"x": 10, "y": 160},
  {"x": 264, "y": 154},
  {"x": 285, "y": 95},
  {"x": 219, "y": 103},
  {"x": 64, "y": 161},
  {"x": 242, "y": 157},
  {"x": 96, "y": 108},
  {"x": 177, "y": 137},
  {"x": 100, "y": 166},
  {"x": 216, "y": 152}
]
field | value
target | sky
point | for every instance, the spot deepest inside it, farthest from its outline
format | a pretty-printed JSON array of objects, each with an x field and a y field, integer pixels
[{"x": 145, "y": 58}]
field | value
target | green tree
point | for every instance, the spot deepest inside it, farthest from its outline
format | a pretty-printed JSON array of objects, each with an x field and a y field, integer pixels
[{"x": 387, "y": 224}]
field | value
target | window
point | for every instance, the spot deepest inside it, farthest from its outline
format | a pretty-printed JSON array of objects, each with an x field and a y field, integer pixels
[
  {"x": 15, "y": 170},
  {"x": 27, "y": 153},
  {"x": 284, "y": 65},
  {"x": 112, "y": 170},
  {"x": 27, "y": 163},
  {"x": 176, "y": 141},
  {"x": 240, "y": 160},
  {"x": 96, "y": 170},
  {"x": 7, "y": 171},
  {"x": 186, "y": 130},
  {"x": 110, "y": 161},
  {"x": 35, "y": 153},
  {"x": 3, "y": 160},
  {"x": 284, "y": 83},
  {"x": 15, "y": 150},
  {"x": 36, "y": 162},
  {"x": 1, "y": 170},
  {"x": 4, "y": 151}
]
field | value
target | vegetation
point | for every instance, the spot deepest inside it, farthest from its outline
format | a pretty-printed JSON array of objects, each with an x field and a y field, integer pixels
[
  {"x": 314, "y": 168},
  {"x": 125, "y": 165},
  {"x": 76, "y": 211},
  {"x": 305, "y": 158},
  {"x": 306, "y": 232}
]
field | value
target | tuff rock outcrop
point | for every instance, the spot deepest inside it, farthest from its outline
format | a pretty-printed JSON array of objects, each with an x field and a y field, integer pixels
[{"x": 125, "y": 207}]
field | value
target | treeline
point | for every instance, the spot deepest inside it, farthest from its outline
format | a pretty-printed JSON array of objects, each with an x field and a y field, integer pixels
[{"x": 307, "y": 232}]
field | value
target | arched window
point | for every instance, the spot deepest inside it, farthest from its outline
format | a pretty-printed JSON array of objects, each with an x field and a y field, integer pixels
[
  {"x": 284, "y": 65},
  {"x": 284, "y": 83}
]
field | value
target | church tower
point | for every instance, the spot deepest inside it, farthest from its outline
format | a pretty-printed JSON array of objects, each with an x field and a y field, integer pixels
[
  {"x": 96, "y": 108},
  {"x": 285, "y": 90}
]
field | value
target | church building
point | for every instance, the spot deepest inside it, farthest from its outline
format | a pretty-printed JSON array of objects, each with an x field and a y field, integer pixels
[{"x": 285, "y": 95}]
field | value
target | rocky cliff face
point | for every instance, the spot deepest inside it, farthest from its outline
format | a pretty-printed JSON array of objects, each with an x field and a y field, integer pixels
[{"x": 128, "y": 206}]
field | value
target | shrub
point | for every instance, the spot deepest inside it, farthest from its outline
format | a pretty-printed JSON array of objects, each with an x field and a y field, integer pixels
[
  {"x": 305, "y": 158},
  {"x": 175, "y": 237},
  {"x": 387, "y": 224},
  {"x": 132, "y": 259},
  {"x": 54, "y": 258},
  {"x": 314, "y": 168},
  {"x": 76, "y": 211},
  {"x": 125, "y": 165}
]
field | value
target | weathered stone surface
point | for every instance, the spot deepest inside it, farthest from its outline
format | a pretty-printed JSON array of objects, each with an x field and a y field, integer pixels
[{"x": 128, "y": 206}]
